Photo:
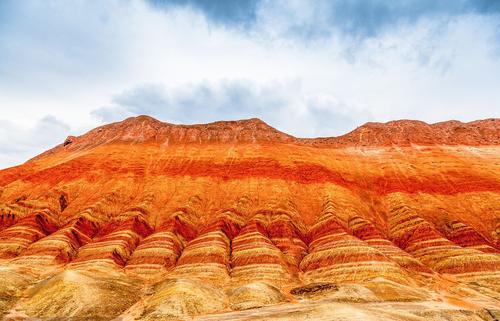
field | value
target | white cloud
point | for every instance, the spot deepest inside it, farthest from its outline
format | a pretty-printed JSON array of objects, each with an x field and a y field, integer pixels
[
  {"x": 81, "y": 60},
  {"x": 285, "y": 106},
  {"x": 18, "y": 144}
]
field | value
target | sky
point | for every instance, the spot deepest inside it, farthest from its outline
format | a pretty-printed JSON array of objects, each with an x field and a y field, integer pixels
[{"x": 308, "y": 68}]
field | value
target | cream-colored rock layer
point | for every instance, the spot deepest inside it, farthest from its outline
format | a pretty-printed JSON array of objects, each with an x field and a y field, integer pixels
[
  {"x": 419, "y": 238},
  {"x": 366, "y": 231},
  {"x": 16, "y": 238},
  {"x": 254, "y": 295},
  {"x": 254, "y": 257},
  {"x": 336, "y": 256},
  {"x": 15, "y": 280},
  {"x": 79, "y": 296},
  {"x": 114, "y": 248},
  {"x": 155, "y": 255},
  {"x": 205, "y": 257},
  {"x": 340, "y": 311},
  {"x": 180, "y": 299},
  {"x": 60, "y": 247}
]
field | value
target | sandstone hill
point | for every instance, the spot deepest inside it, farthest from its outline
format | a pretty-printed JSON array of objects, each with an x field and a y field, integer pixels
[{"x": 235, "y": 220}]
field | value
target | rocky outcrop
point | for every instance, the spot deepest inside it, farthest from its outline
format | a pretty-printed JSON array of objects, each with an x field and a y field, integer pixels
[
  {"x": 407, "y": 132},
  {"x": 289, "y": 239}
]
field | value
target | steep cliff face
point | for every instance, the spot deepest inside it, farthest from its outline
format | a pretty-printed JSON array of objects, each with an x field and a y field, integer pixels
[{"x": 187, "y": 220}]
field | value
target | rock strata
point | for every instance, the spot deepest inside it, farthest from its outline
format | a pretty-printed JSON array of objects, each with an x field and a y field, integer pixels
[{"x": 146, "y": 220}]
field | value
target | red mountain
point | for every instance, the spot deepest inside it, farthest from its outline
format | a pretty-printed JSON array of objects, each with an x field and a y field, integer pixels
[{"x": 148, "y": 220}]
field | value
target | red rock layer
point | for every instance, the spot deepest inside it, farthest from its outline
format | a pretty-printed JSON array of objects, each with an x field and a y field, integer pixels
[
  {"x": 61, "y": 246},
  {"x": 289, "y": 238},
  {"x": 205, "y": 257},
  {"x": 419, "y": 238},
  {"x": 113, "y": 245},
  {"x": 143, "y": 129},
  {"x": 465, "y": 236},
  {"x": 336, "y": 256},
  {"x": 158, "y": 253},
  {"x": 256, "y": 257},
  {"x": 16, "y": 238},
  {"x": 208, "y": 255},
  {"x": 366, "y": 231}
]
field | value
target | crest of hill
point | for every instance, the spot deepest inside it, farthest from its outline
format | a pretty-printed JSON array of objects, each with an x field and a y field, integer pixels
[
  {"x": 145, "y": 129},
  {"x": 408, "y": 132}
]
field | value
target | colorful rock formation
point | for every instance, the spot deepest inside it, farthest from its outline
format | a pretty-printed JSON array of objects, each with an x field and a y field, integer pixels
[
  {"x": 17, "y": 237},
  {"x": 366, "y": 231},
  {"x": 61, "y": 246},
  {"x": 420, "y": 239},
  {"x": 113, "y": 245},
  {"x": 336, "y": 256},
  {"x": 187, "y": 220},
  {"x": 255, "y": 257}
]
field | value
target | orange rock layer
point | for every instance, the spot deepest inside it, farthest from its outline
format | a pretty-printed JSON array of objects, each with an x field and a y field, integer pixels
[{"x": 229, "y": 204}]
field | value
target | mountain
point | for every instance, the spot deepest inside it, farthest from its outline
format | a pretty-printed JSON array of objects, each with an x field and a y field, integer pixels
[{"x": 146, "y": 220}]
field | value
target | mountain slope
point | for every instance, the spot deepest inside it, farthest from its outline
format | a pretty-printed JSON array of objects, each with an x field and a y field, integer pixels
[{"x": 195, "y": 219}]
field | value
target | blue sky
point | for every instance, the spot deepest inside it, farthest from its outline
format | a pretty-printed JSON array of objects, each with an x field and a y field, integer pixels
[{"x": 309, "y": 68}]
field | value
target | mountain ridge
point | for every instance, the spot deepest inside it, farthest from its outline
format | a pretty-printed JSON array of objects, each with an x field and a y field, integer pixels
[
  {"x": 144, "y": 129},
  {"x": 168, "y": 222}
]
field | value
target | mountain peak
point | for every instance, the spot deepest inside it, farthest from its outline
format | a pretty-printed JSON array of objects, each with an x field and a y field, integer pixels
[
  {"x": 140, "y": 211},
  {"x": 141, "y": 119},
  {"x": 450, "y": 132},
  {"x": 146, "y": 129},
  {"x": 405, "y": 132}
]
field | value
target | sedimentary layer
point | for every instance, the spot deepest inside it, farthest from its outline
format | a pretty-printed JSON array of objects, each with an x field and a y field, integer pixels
[{"x": 164, "y": 222}]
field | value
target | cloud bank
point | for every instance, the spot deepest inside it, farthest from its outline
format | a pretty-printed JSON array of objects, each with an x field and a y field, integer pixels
[
  {"x": 310, "y": 68},
  {"x": 283, "y": 104},
  {"x": 19, "y": 144}
]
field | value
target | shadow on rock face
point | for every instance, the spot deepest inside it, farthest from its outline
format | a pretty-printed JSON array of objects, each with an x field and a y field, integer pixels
[
  {"x": 314, "y": 289},
  {"x": 335, "y": 292},
  {"x": 376, "y": 290}
]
